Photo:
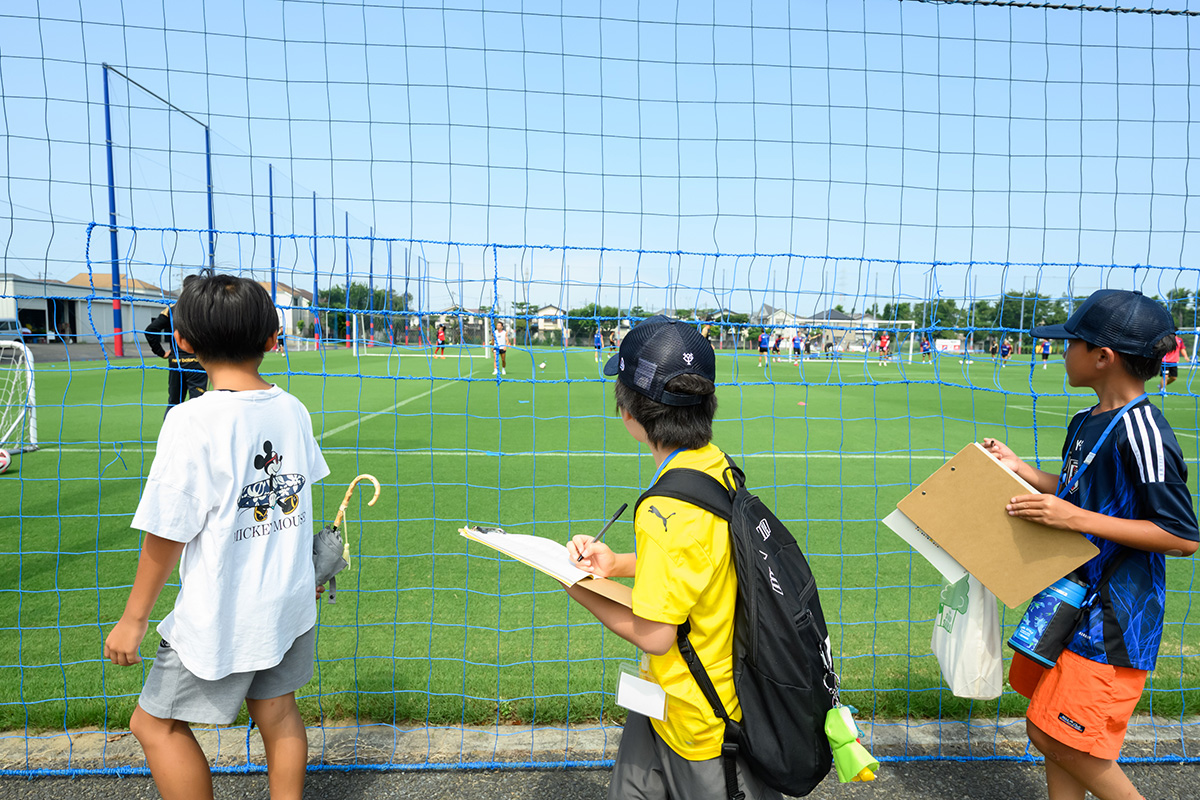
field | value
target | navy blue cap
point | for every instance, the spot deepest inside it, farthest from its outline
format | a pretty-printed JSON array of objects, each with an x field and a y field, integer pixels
[
  {"x": 1128, "y": 322},
  {"x": 657, "y": 350}
]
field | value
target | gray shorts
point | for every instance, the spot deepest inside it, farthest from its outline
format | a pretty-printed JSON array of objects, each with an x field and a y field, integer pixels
[
  {"x": 173, "y": 692},
  {"x": 648, "y": 769}
]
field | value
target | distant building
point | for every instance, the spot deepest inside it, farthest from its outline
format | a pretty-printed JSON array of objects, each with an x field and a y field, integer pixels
[{"x": 80, "y": 309}]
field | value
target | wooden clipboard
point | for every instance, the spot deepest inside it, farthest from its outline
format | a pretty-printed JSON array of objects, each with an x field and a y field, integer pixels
[{"x": 961, "y": 507}]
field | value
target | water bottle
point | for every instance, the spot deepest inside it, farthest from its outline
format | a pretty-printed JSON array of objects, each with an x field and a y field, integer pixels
[{"x": 1050, "y": 621}]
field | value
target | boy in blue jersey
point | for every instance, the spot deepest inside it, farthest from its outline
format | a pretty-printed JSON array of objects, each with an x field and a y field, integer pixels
[
  {"x": 764, "y": 342},
  {"x": 597, "y": 343},
  {"x": 1131, "y": 500}
]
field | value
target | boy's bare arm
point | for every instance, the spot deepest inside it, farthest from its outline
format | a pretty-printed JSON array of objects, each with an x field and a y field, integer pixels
[
  {"x": 159, "y": 557},
  {"x": 655, "y": 638},
  {"x": 1038, "y": 479},
  {"x": 1139, "y": 533}
]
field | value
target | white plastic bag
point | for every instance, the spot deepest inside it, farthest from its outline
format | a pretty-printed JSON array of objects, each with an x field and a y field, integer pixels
[{"x": 966, "y": 640}]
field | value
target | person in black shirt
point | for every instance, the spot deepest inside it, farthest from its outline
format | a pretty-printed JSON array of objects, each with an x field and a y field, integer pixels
[{"x": 185, "y": 378}]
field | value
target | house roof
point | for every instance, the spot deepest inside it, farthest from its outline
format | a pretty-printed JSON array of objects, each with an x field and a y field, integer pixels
[
  {"x": 104, "y": 281},
  {"x": 283, "y": 288}
]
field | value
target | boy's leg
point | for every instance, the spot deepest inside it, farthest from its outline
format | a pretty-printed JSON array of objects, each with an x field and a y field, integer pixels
[
  {"x": 1069, "y": 772},
  {"x": 177, "y": 764},
  {"x": 285, "y": 742}
]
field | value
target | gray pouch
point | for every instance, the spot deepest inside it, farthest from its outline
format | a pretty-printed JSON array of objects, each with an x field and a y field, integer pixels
[{"x": 327, "y": 559}]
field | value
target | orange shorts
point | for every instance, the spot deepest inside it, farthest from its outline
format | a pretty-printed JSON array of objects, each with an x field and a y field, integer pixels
[{"x": 1085, "y": 704}]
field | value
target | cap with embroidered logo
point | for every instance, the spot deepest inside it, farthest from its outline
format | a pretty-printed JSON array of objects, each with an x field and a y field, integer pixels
[
  {"x": 657, "y": 350},
  {"x": 1128, "y": 322}
]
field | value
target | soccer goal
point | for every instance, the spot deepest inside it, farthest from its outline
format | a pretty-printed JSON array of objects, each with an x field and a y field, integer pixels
[{"x": 18, "y": 409}]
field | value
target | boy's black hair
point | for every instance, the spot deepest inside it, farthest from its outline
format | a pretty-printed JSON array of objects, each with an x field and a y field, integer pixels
[
  {"x": 1144, "y": 367},
  {"x": 225, "y": 318},
  {"x": 673, "y": 427}
]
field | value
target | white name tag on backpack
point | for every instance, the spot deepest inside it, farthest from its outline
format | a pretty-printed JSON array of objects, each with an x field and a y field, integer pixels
[{"x": 638, "y": 694}]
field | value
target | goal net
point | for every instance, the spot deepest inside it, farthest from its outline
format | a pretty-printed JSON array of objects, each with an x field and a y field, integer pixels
[{"x": 18, "y": 411}]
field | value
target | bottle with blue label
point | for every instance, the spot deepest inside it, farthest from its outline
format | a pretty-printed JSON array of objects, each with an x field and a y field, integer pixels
[{"x": 1050, "y": 621}]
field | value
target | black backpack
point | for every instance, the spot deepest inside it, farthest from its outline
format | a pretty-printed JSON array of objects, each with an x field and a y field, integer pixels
[{"x": 782, "y": 664}]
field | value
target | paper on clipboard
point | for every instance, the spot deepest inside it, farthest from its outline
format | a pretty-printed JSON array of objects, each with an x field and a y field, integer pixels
[
  {"x": 918, "y": 540},
  {"x": 550, "y": 558}
]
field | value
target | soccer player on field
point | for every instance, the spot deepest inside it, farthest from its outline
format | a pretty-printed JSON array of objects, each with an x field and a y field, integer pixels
[
  {"x": 1124, "y": 485},
  {"x": 501, "y": 348},
  {"x": 764, "y": 342},
  {"x": 598, "y": 343},
  {"x": 926, "y": 350},
  {"x": 1170, "y": 365},
  {"x": 228, "y": 499},
  {"x": 440, "y": 350}
]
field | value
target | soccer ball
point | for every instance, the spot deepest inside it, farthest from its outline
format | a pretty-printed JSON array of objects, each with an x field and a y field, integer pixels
[
  {"x": 5, "y": 460},
  {"x": 542, "y": 365}
]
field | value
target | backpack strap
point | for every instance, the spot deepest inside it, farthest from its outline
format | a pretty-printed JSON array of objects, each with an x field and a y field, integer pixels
[
  {"x": 699, "y": 489},
  {"x": 733, "y": 730}
]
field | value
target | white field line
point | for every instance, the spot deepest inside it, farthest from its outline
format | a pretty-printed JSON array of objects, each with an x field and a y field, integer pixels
[
  {"x": 1056, "y": 412},
  {"x": 360, "y": 420},
  {"x": 375, "y": 451},
  {"x": 423, "y": 356}
]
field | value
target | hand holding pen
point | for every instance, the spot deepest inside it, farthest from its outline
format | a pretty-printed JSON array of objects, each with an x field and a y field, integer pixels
[{"x": 601, "y": 560}]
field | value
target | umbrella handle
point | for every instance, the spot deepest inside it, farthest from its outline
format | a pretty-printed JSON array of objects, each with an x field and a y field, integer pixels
[{"x": 337, "y": 521}]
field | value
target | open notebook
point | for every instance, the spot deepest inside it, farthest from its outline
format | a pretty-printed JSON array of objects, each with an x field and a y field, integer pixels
[{"x": 549, "y": 557}]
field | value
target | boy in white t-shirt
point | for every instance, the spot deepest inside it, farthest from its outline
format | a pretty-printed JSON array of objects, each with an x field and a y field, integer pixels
[{"x": 228, "y": 497}]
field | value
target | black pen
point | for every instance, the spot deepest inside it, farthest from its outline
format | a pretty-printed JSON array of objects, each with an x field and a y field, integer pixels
[{"x": 600, "y": 535}]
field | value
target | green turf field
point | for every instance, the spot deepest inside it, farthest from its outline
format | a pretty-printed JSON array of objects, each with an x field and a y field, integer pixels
[{"x": 430, "y": 628}]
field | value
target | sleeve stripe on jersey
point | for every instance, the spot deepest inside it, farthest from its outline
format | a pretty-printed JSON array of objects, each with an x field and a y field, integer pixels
[
  {"x": 1144, "y": 421},
  {"x": 1153, "y": 467},
  {"x": 1158, "y": 445},
  {"x": 1133, "y": 445}
]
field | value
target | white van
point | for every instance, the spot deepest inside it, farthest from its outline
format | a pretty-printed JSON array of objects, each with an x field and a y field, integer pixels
[{"x": 10, "y": 329}]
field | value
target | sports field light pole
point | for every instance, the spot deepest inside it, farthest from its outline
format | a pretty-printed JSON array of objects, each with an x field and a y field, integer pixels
[{"x": 118, "y": 344}]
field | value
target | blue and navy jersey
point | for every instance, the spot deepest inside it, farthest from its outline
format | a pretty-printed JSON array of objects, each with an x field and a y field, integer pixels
[
  {"x": 1046, "y": 348},
  {"x": 596, "y": 340},
  {"x": 924, "y": 345},
  {"x": 1138, "y": 473},
  {"x": 797, "y": 342},
  {"x": 1005, "y": 349},
  {"x": 764, "y": 340}
]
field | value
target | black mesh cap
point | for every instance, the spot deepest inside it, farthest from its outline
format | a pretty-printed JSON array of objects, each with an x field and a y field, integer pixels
[
  {"x": 657, "y": 350},
  {"x": 1128, "y": 322}
]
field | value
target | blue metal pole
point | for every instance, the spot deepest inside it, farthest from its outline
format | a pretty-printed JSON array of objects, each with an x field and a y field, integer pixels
[
  {"x": 271, "y": 206},
  {"x": 347, "y": 231},
  {"x": 316, "y": 291},
  {"x": 118, "y": 344},
  {"x": 371, "y": 289},
  {"x": 212, "y": 234}
]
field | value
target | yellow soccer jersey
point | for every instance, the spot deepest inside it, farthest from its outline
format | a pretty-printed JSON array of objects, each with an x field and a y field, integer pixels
[{"x": 685, "y": 570}]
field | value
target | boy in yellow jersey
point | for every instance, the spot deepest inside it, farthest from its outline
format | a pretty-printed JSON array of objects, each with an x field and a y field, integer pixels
[{"x": 682, "y": 570}]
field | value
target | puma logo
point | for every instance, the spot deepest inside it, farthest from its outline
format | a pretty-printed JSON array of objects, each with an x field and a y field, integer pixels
[{"x": 658, "y": 514}]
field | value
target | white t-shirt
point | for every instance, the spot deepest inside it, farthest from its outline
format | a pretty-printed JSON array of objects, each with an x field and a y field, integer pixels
[
  {"x": 501, "y": 340},
  {"x": 232, "y": 478}
]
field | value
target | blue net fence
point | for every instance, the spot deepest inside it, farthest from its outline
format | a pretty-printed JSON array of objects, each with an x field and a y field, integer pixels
[{"x": 822, "y": 174}]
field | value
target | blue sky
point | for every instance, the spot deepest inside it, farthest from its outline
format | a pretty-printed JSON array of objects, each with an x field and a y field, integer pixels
[{"x": 838, "y": 140}]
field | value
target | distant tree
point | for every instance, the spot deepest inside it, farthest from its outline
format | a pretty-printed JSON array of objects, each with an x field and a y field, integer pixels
[
  {"x": 1182, "y": 305},
  {"x": 332, "y": 304},
  {"x": 586, "y": 320}
]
